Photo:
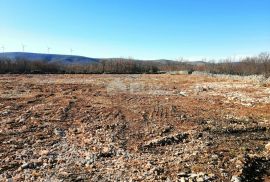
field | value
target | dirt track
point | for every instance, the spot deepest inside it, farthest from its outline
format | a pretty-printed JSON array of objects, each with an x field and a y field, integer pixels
[{"x": 133, "y": 127}]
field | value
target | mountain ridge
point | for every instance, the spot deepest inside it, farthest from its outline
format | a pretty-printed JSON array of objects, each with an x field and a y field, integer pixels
[
  {"x": 74, "y": 59},
  {"x": 49, "y": 58}
]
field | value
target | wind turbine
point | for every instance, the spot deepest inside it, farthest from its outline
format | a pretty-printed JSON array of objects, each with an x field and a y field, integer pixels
[
  {"x": 23, "y": 47},
  {"x": 3, "y": 49},
  {"x": 48, "y": 48}
]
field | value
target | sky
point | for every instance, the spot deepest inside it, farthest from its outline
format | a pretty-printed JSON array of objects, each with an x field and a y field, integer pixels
[{"x": 140, "y": 29}]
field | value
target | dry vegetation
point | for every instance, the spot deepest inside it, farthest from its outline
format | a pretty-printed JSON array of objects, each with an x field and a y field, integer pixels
[
  {"x": 249, "y": 66},
  {"x": 259, "y": 65},
  {"x": 133, "y": 128}
]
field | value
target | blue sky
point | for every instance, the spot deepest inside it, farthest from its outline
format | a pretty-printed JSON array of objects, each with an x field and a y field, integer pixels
[{"x": 144, "y": 29}]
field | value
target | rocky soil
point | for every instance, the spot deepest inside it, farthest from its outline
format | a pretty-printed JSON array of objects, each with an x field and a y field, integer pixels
[{"x": 133, "y": 128}]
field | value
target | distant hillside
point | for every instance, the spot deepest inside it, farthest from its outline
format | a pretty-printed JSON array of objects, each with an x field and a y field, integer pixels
[
  {"x": 70, "y": 59},
  {"x": 49, "y": 58}
]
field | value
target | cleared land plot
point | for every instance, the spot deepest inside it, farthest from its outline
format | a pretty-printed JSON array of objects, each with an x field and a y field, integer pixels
[{"x": 133, "y": 127}]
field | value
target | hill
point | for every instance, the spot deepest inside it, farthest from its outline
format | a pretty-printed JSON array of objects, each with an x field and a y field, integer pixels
[
  {"x": 72, "y": 59},
  {"x": 49, "y": 58}
]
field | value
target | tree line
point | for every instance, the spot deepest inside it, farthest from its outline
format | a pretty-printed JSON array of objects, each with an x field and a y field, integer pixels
[
  {"x": 115, "y": 66},
  {"x": 250, "y": 65}
]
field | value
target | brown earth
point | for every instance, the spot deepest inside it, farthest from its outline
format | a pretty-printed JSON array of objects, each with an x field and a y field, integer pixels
[{"x": 133, "y": 128}]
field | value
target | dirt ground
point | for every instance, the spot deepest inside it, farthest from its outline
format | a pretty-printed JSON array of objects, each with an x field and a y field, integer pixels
[{"x": 133, "y": 128}]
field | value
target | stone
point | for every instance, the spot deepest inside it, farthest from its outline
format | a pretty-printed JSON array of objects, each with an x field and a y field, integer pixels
[
  {"x": 43, "y": 152},
  {"x": 183, "y": 94},
  {"x": 22, "y": 120},
  {"x": 25, "y": 166},
  {"x": 200, "y": 179},
  {"x": 211, "y": 175},
  {"x": 59, "y": 132},
  {"x": 63, "y": 173},
  {"x": 267, "y": 147},
  {"x": 235, "y": 179},
  {"x": 182, "y": 179},
  {"x": 193, "y": 175},
  {"x": 106, "y": 150},
  {"x": 215, "y": 157}
]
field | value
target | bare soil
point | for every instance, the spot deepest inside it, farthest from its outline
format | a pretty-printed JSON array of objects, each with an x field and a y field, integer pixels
[{"x": 133, "y": 128}]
